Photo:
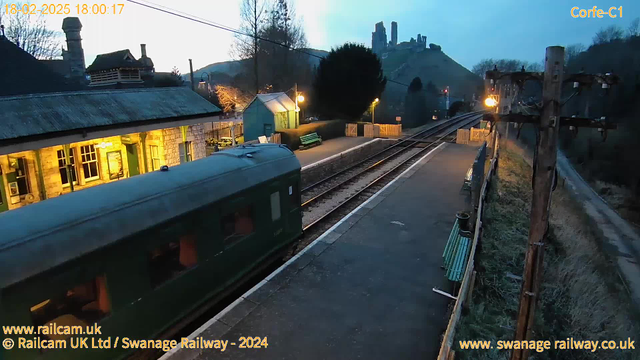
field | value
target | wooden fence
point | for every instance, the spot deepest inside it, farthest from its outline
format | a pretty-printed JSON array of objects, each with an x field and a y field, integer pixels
[
  {"x": 390, "y": 130},
  {"x": 478, "y": 135},
  {"x": 466, "y": 287},
  {"x": 371, "y": 130},
  {"x": 351, "y": 130}
]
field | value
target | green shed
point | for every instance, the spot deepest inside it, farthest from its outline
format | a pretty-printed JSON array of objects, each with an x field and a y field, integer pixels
[{"x": 268, "y": 113}]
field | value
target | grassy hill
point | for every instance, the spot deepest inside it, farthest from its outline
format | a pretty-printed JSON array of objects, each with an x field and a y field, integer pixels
[
  {"x": 428, "y": 65},
  {"x": 225, "y": 70}
]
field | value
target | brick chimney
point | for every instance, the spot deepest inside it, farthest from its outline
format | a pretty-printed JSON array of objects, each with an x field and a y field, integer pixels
[{"x": 74, "y": 55}]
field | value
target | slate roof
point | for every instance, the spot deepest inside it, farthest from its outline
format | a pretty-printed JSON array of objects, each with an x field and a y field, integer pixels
[
  {"x": 275, "y": 102},
  {"x": 21, "y": 73},
  {"x": 114, "y": 60},
  {"x": 47, "y": 114}
]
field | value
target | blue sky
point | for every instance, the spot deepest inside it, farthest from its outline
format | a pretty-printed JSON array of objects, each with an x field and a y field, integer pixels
[{"x": 467, "y": 30}]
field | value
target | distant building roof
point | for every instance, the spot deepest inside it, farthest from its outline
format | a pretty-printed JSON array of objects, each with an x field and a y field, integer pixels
[
  {"x": 115, "y": 60},
  {"x": 59, "y": 66},
  {"x": 275, "y": 102},
  {"x": 21, "y": 73},
  {"x": 54, "y": 114}
]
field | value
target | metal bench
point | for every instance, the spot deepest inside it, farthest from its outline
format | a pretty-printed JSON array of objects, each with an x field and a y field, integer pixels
[
  {"x": 456, "y": 253},
  {"x": 310, "y": 140}
]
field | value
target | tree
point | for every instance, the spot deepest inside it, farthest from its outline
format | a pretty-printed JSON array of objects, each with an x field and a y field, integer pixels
[
  {"x": 632, "y": 30},
  {"x": 347, "y": 81},
  {"x": 30, "y": 32},
  {"x": 231, "y": 98},
  {"x": 609, "y": 34},
  {"x": 572, "y": 51},
  {"x": 281, "y": 34},
  {"x": 173, "y": 79},
  {"x": 415, "y": 113},
  {"x": 251, "y": 18},
  {"x": 504, "y": 65}
]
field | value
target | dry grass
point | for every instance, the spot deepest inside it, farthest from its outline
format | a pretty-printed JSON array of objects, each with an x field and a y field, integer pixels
[{"x": 581, "y": 297}]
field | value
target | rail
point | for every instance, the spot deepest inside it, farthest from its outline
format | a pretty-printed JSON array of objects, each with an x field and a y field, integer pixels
[
  {"x": 404, "y": 141},
  {"x": 463, "y": 294},
  {"x": 451, "y": 129}
]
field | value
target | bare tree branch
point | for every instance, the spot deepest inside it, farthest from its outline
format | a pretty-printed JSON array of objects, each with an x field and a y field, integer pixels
[{"x": 30, "y": 32}]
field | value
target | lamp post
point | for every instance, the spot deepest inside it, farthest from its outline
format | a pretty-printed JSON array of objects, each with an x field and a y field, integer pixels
[
  {"x": 299, "y": 99},
  {"x": 373, "y": 110},
  {"x": 202, "y": 82}
]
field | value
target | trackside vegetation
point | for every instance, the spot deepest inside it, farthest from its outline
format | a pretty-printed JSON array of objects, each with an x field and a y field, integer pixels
[{"x": 582, "y": 297}]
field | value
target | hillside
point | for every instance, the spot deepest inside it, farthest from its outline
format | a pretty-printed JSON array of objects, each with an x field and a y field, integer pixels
[
  {"x": 222, "y": 72},
  {"x": 428, "y": 65}
]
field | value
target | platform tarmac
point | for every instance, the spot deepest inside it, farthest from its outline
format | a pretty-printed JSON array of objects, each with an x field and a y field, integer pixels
[{"x": 364, "y": 288}]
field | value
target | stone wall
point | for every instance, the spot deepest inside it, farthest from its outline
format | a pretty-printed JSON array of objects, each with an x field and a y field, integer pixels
[
  {"x": 172, "y": 139},
  {"x": 167, "y": 141},
  {"x": 313, "y": 173}
]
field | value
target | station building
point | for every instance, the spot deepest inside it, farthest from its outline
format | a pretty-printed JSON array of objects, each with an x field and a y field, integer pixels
[{"x": 55, "y": 143}]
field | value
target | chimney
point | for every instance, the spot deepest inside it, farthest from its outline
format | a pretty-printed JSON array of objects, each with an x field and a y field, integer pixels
[
  {"x": 74, "y": 55},
  {"x": 143, "y": 50}
]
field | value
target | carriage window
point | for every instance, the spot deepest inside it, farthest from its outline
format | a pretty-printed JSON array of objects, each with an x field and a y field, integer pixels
[
  {"x": 82, "y": 305},
  {"x": 275, "y": 206},
  {"x": 172, "y": 259},
  {"x": 237, "y": 225}
]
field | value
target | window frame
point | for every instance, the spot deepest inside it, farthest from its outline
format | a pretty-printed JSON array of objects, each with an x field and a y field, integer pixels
[
  {"x": 154, "y": 158},
  {"x": 73, "y": 172},
  {"x": 239, "y": 206},
  {"x": 187, "y": 155},
  {"x": 22, "y": 164},
  {"x": 163, "y": 237},
  {"x": 84, "y": 162}
]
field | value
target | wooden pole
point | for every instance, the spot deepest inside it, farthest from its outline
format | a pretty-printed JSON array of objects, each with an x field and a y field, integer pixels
[{"x": 544, "y": 169}]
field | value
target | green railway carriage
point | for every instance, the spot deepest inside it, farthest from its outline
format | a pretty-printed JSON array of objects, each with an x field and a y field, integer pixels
[{"x": 138, "y": 255}]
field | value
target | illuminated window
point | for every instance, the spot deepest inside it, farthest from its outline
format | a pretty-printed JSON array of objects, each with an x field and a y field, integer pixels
[
  {"x": 62, "y": 165},
  {"x": 21, "y": 176},
  {"x": 82, "y": 305},
  {"x": 155, "y": 157},
  {"x": 185, "y": 152},
  {"x": 89, "y": 162},
  {"x": 237, "y": 225},
  {"x": 275, "y": 206},
  {"x": 172, "y": 259}
]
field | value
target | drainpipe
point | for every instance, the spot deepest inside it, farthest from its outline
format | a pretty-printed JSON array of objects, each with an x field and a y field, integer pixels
[
  {"x": 43, "y": 190},
  {"x": 143, "y": 141},
  {"x": 191, "y": 74},
  {"x": 183, "y": 130}
]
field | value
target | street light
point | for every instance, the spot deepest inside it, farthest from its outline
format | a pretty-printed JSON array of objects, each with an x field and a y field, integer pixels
[
  {"x": 373, "y": 110},
  {"x": 490, "y": 102},
  {"x": 202, "y": 82}
]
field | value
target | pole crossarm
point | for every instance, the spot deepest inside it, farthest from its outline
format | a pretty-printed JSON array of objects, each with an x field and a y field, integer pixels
[{"x": 564, "y": 120}]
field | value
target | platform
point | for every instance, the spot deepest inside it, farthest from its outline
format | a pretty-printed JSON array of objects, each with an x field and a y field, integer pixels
[
  {"x": 364, "y": 288},
  {"x": 328, "y": 148}
]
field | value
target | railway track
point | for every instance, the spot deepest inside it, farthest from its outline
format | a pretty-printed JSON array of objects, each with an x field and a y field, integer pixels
[{"x": 333, "y": 197}]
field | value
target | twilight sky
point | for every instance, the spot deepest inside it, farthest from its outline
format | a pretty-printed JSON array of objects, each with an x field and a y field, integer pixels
[{"x": 467, "y": 30}]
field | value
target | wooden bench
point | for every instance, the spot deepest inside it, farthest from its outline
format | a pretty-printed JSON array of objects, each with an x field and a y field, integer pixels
[
  {"x": 310, "y": 140},
  {"x": 456, "y": 253}
]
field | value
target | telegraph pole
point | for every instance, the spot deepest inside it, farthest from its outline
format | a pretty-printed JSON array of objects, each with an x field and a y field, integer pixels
[
  {"x": 544, "y": 170},
  {"x": 544, "y": 167}
]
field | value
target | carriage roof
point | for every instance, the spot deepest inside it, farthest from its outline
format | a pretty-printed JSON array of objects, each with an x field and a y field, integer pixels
[{"x": 46, "y": 234}]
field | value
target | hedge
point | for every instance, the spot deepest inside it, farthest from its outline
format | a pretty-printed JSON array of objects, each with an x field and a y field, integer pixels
[{"x": 327, "y": 129}]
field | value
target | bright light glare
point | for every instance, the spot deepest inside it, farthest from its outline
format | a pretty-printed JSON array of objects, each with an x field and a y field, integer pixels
[
  {"x": 490, "y": 102},
  {"x": 376, "y": 100},
  {"x": 300, "y": 98}
]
